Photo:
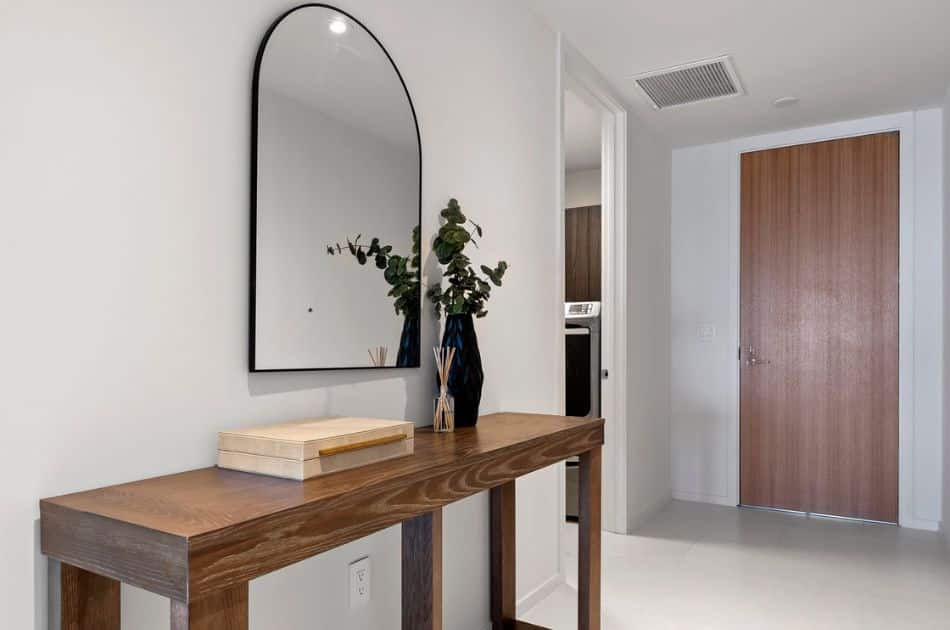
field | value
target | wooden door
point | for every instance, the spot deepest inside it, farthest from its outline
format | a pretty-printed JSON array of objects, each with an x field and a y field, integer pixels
[
  {"x": 582, "y": 254},
  {"x": 819, "y": 329}
]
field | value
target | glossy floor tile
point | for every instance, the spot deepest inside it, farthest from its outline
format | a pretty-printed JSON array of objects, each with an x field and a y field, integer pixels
[{"x": 697, "y": 566}]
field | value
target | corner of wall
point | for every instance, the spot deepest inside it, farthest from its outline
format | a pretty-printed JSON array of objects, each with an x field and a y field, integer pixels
[{"x": 649, "y": 310}]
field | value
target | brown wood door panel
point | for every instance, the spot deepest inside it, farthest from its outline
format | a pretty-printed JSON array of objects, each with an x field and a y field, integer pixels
[
  {"x": 582, "y": 251},
  {"x": 819, "y": 302}
]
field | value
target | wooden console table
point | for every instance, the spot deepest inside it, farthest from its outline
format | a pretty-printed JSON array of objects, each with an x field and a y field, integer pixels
[{"x": 198, "y": 537}]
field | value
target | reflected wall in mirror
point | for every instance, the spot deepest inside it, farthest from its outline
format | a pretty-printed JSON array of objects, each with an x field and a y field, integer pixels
[{"x": 336, "y": 157}]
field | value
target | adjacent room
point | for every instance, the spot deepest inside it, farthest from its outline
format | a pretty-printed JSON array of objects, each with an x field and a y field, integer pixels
[{"x": 531, "y": 315}]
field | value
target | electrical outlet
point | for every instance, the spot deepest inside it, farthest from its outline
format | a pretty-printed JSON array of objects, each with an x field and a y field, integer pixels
[{"x": 360, "y": 581}]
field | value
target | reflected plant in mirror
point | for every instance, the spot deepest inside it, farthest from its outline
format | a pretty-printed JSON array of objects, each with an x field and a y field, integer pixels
[
  {"x": 402, "y": 274},
  {"x": 336, "y": 153},
  {"x": 464, "y": 297}
]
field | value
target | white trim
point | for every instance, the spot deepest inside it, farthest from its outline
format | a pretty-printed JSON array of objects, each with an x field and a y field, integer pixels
[
  {"x": 905, "y": 124},
  {"x": 582, "y": 77},
  {"x": 539, "y": 594},
  {"x": 922, "y": 524},
  {"x": 559, "y": 177}
]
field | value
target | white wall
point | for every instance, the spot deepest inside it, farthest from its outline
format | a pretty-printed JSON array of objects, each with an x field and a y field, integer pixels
[
  {"x": 582, "y": 188},
  {"x": 703, "y": 364},
  {"x": 123, "y": 259},
  {"x": 945, "y": 518},
  {"x": 648, "y": 324}
]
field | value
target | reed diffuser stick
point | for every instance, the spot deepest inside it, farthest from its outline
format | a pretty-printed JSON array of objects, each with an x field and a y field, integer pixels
[
  {"x": 444, "y": 419},
  {"x": 378, "y": 356}
]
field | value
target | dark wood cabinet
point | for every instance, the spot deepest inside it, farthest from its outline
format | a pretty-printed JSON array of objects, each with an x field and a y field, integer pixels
[{"x": 582, "y": 254}]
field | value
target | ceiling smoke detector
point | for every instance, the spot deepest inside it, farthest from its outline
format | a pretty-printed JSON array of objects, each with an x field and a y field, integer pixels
[{"x": 704, "y": 80}]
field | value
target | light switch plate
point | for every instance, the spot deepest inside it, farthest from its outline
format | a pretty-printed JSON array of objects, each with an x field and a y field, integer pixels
[
  {"x": 706, "y": 332},
  {"x": 360, "y": 581}
]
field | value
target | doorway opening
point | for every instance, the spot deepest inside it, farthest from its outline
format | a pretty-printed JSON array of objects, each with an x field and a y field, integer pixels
[
  {"x": 582, "y": 271},
  {"x": 591, "y": 270}
]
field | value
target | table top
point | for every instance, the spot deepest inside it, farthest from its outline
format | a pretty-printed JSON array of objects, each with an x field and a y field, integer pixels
[{"x": 202, "y": 501}]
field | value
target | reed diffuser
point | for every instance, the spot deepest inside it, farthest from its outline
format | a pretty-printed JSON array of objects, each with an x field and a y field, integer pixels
[
  {"x": 443, "y": 420},
  {"x": 378, "y": 356}
]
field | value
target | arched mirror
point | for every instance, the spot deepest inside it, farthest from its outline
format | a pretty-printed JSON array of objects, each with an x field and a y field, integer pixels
[{"x": 336, "y": 179}]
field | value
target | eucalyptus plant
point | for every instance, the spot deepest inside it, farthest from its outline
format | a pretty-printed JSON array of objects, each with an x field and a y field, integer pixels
[
  {"x": 467, "y": 291},
  {"x": 400, "y": 272}
]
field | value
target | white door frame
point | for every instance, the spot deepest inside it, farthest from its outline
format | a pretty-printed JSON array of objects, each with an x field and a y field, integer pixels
[
  {"x": 905, "y": 124},
  {"x": 577, "y": 73}
]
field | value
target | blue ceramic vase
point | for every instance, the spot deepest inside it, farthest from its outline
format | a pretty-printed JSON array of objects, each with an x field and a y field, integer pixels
[
  {"x": 465, "y": 375},
  {"x": 408, "y": 355}
]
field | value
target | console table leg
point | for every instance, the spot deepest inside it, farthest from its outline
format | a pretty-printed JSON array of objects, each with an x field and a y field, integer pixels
[
  {"x": 88, "y": 601},
  {"x": 422, "y": 572},
  {"x": 225, "y": 610},
  {"x": 502, "y": 499},
  {"x": 589, "y": 526}
]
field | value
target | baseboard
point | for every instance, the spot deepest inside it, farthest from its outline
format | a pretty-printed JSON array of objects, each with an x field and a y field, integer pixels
[
  {"x": 547, "y": 587},
  {"x": 916, "y": 523},
  {"x": 697, "y": 497}
]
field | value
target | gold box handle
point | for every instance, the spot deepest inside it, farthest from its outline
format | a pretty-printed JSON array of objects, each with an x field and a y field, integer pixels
[{"x": 346, "y": 448}]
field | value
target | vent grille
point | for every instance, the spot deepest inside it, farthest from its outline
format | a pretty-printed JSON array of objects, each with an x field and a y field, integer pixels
[{"x": 690, "y": 83}]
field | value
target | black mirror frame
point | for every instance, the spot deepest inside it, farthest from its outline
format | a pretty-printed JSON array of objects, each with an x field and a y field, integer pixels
[{"x": 255, "y": 108}]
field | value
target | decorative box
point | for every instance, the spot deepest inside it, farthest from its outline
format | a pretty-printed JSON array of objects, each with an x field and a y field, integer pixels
[{"x": 309, "y": 448}]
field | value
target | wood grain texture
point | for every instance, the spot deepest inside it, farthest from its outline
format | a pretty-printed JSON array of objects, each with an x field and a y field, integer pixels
[
  {"x": 88, "y": 600},
  {"x": 589, "y": 532},
  {"x": 819, "y": 287},
  {"x": 230, "y": 527},
  {"x": 422, "y": 572},
  {"x": 136, "y": 555},
  {"x": 224, "y": 610},
  {"x": 502, "y": 550},
  {"x": 582, "y": 254}
]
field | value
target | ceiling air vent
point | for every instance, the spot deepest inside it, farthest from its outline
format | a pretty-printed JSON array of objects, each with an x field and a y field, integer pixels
[{"x": 690, "y": 83}]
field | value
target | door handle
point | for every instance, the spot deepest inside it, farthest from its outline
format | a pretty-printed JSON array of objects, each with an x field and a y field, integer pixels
[{"x": 753, "y": 360}]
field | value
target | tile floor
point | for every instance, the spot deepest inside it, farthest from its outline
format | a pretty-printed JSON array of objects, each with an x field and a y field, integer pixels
[{"x": 697, "y": 566}]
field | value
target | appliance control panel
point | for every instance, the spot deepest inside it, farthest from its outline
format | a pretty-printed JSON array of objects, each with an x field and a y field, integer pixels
[{"x": 581, "y": 309}]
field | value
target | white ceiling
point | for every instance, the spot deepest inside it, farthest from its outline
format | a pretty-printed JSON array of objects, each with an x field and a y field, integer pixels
[
  {"x": 581, "y": 134},
  {"x": 843, "y": 58}
]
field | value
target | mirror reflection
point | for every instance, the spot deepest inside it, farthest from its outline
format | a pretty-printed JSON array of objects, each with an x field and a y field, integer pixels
[{"x": 336, "y": 225}]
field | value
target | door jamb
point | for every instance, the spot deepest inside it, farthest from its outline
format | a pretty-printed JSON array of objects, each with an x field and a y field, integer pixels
[{"x": 575, "y": 71}]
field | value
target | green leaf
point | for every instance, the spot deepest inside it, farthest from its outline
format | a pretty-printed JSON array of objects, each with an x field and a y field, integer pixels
[
  {"x": 455, "y": 234},
  {"x": 380, "y": 261},
  {"x": 361, "y": 257},
  {"x": 443, "y": 250},
  {"x": 330, "y": 250},
  {"x": 453, "y": 212}
]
